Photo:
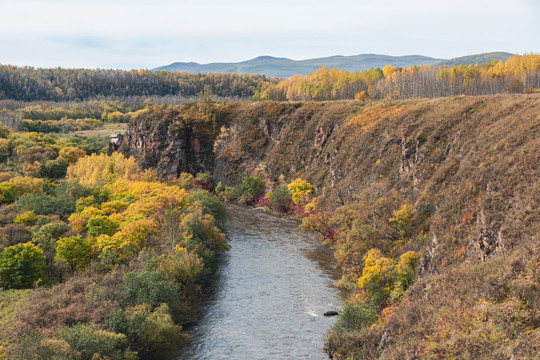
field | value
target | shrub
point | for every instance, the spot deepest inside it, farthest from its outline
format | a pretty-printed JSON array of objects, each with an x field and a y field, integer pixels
[
  {"x": 27, "y": 218},
  {"x": 21, "y": 266},
  {"x": 101, "y": 169},
  {"x": 23, "y": 185},
  {"x": 210, "y": 204},
  {"x": 55, "y": 169},
  {"x": 227, "y": 193},
  {"x": 47, "y": 235},
  {"x": 83, "y": 298},
  {"x": 57, "y": 350},
  {"x": 301, "y": 190},
  {"x": 377, "y": 279},
  {"x": 354, "y": 317},
  {"x": 201, "y": 229},
  {"x": 52, "y": 230},
  {"x": 72, "y": 154},
  {"x": 151, "y": 331},
  {"x": 43, "y": 204},
  {"x": 281, "y": 198},
  {"x": 186, "y": 181},
  {"x": 98, "y": 225},
  {"x": 153, "y": 288},
  {"x": 4, "y": 149},
  {"x": 90, "y": 341},
  {"x": 182, "y": 268},
  {"x": 406, "y": 270},
  {"x": 252, "y": 187},
  {"x": 16, "y": 234},
  {"x": 113, "y": 207},
  {"x": 202, "y": 181}
]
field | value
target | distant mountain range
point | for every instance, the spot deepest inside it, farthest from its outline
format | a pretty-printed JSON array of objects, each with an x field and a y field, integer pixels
[
  {"x": 479, "y": 58},
  {"x": 283, "y": 67}
]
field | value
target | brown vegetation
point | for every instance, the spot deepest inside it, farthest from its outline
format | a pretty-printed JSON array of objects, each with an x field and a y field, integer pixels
[{"x": 455, "y": 179}]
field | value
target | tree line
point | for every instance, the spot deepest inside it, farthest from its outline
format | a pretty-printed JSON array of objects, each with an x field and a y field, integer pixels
[
  {"x": 37, "y": 84},
  {"x": 517, "y": 74}
]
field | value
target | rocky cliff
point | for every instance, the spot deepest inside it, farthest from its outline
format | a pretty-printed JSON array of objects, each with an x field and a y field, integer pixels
[{"x": 469, "y": 165}]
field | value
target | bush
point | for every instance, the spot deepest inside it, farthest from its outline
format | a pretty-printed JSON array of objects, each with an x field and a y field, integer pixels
[
  {"x": 23, "y": 185},
  {"x": 227, "y": 193},
  {"x": 355, "y": 317},
  {"x": 45, "y": 205},
  {"x": 152, "y": 332},
  {"x": 98, "y": 225},
  {"x": 202, "y": 230},
  {"x": 16, "y": 234},
  {"x": 186, "y": 181},
  {"x": 51, "y": 230},
  {"x": 47, "y": 235},
  {"x": 27, "y": 218},
  {"x": 301, "y": 190},
  {"x": 83, "y": 298},
  {"x": 55, "y": 169},
  {"x": 72, "y": 154},
  {"x": 153, "y": 288},
  {"x": 210, "y": 204},
  {"x": 90, "y": 341},
  {"x": 57, "y": 350},
  {"x": 252, "y": 187},
  {"x": 281, "y": 198},
  {"x": 182, "y": 268},
  {"x": 21, "y": 266}
]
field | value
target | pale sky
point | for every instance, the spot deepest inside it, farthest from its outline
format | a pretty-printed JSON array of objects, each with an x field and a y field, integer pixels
[{"x": 128, "y": 34}]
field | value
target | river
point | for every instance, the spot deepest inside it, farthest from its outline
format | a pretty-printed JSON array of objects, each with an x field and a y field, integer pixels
[{"x": 272, "y": 289}]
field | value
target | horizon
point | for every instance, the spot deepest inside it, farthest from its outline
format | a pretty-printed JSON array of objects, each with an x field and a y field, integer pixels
[
  {"x": 118, "y": 34},
  {"x": 254, "y": 58}
]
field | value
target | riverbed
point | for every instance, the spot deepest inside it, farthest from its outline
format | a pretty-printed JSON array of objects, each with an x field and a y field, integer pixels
[{"x": 272, "y": 289}]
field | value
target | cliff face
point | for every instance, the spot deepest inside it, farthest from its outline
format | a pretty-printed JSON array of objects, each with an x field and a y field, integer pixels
[
  {"x": 474, "y": 156},
  {"x": 164, "y": 139},
  {"x": 469, "y": 166}
]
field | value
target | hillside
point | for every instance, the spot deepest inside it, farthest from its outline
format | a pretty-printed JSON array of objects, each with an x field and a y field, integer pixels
[
  {"x": 453, "y": 181},
  {"x": 283, "y": 67},
  {"x": 477, "y": 59}
]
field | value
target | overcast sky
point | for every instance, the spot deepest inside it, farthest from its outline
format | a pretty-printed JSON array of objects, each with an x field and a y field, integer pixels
[{"x": 145, "y": 34}]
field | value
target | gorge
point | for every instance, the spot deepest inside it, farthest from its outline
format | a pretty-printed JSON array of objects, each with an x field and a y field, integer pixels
[{"x": 466, "y": 167}]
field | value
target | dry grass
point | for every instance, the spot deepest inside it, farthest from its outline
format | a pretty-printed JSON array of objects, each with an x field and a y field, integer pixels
[{"x": 108, "y": 129}]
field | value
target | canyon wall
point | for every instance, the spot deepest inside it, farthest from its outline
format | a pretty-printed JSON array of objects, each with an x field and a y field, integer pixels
[{"x": 468, "y": 165}]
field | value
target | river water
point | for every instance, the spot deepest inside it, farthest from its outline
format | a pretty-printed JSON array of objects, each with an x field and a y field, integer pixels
[{"x": 273, "y": 287}]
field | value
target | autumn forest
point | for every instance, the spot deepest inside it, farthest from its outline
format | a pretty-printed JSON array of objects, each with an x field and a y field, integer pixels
[{"x": 421, "y": 181}]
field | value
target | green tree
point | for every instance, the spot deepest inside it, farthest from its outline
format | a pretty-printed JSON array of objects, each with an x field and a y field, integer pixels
[
  {"x": 7, "y": 193},
  {"x": 98, "y": 225},
  {"x": 150, "y": 287},
  {"x": 75, "y": 251},
  {"x": 21, "y": 266},
  {"x": 152, "y": 332},
  {"x": 252, "y": 187}
]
